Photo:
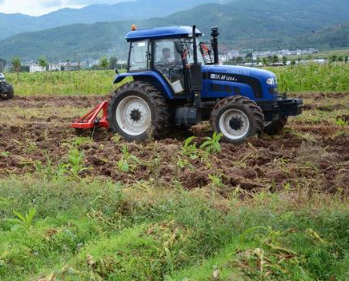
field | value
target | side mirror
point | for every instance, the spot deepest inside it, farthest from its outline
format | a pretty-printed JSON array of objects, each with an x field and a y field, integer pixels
[
  {"x": 116, "y": 71},
  {"x": 179, "y": 46}
]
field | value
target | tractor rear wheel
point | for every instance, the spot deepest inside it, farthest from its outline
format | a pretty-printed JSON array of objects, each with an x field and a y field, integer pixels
[
  {"x": 275, "y": 127},
  {"x": 237, "y": 118},
  {"x": 138, "y": 111},
  {"x": 6, "y": 92}
]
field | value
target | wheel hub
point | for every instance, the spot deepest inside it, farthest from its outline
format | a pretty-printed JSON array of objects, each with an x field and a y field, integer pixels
[
  {"x": 236, "y": 123},
  {"x": 136, "y": 115},
  {"x": 133, "y": 115}
]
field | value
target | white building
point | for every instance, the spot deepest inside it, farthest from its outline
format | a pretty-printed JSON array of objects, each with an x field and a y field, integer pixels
[
  {"x": 54, "y": 67},
  {"x": 36, "y": 68}
]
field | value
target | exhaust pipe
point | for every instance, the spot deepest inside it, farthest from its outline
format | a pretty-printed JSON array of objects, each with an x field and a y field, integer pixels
[
  {"x": 196, "y": 75},
  {"x": 214, "y": 43},
  {"x": 195, "y": 46}
]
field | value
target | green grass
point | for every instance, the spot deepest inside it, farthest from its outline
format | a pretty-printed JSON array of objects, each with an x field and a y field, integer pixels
[
  {"x": 300, "y": 78},
  {"x": 99, "y": 230}
]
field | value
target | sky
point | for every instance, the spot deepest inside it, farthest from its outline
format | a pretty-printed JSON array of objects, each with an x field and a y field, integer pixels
[{"x": 40, "y": 7}]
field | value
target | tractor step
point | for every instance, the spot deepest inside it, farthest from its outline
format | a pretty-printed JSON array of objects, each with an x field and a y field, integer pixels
[{"x": 91, "y": 119}]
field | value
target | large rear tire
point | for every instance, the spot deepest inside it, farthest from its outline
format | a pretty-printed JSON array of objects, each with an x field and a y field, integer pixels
[
  {"x": 237, "y": 118},
  {"x": 138, "y": 111},
  {"x": 275, "y": 127},
  {"x": 6, "y": 91}
]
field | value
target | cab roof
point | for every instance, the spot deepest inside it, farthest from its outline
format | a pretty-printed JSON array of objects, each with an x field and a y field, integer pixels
[{"x": 161, "y": 32}]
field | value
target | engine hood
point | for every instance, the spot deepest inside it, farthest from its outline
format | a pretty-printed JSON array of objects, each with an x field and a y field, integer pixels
[{"x": 239, "y": 70}]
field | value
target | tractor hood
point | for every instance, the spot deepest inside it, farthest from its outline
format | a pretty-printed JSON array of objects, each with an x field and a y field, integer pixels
[
  {"x": 254, "y": 83},
  {"x": 221, "y": 70}
]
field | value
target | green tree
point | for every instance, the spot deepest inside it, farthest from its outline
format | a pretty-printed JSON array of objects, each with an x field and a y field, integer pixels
[
  {"x": 42, "y": 61},
  {"x": 16, "y": 64},
  {"x": 333, "y": 58},
  {"x": 103, "y": 63},
  {"x": 249, "y": 56},
  {"x": 232, "y": 60},
  {"x": 284, "y": 60},
  {"x": 239, "y": 60},
  {"x": 113, "y": 62},
  {"x": 258, "y": 60},
  {"x": 3, "y": 63},
  {"x": 270, "y": 59},
  {"x": 275, "y": 59},
  {"x": 265, "y": 61}
]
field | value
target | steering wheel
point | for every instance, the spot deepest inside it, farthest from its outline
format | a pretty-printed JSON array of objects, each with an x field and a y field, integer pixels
[{"x": 161, "y": 64}]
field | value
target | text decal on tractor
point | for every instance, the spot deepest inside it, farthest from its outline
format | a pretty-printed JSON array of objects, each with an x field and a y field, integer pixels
[{"x": 177, "y": 80}]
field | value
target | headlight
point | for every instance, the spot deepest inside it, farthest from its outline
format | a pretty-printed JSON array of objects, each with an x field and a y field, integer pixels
[{"x": 271, "y": 81}]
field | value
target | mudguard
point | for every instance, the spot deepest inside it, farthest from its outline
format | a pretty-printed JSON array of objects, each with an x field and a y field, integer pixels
[{"x": 152, "y": 77}]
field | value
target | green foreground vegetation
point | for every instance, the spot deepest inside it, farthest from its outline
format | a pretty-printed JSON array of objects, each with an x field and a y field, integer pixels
[
  {"x": 60, "y": 229},
  {"x": 299, "y": 78}
]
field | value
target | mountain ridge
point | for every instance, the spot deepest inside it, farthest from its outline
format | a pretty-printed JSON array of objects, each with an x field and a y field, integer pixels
[
  {"x": 12, "y": 24},
  {"x": 240, "y": 25}
]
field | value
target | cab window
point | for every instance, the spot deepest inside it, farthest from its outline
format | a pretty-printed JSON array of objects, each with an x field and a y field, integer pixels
[
  {"x": 139, "y": 54},
  {"x": 165, "y": 52},
  {"x": 167, "y": 60}
]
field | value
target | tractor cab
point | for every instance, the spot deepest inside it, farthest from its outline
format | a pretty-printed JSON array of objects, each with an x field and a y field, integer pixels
[{"x": 167, "y": 52}]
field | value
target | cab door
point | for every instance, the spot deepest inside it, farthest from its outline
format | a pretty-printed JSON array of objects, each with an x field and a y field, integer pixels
[{"x": 169, "y": 63}]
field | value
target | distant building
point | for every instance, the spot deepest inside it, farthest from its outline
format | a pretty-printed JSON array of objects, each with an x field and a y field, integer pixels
[
  {"x": 54, "y": 67},
  {"x": 33, "y": 67}
]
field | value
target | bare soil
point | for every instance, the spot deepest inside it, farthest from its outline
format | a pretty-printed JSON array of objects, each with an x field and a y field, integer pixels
[{"x": 304, "y": 155}]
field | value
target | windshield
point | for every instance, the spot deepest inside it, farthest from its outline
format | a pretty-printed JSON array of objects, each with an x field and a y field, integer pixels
[
  {"x": 188, "y": 45},
  {"x": 206, "y": 52}
]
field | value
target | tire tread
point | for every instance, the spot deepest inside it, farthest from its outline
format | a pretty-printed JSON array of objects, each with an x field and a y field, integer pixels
[
  {"x": 250, "y": 107},
  {"x": 158, "y": 103}
]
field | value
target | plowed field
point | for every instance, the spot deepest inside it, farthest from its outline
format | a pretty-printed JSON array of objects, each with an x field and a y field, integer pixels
[{"x": 313, "y": 150}]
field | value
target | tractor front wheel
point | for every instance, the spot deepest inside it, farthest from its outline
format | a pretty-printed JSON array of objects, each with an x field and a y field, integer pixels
[
  {"x": 137, "y": 111},
  {"x": 237, "y": 118},
  {"x": 275, "y": 127}
]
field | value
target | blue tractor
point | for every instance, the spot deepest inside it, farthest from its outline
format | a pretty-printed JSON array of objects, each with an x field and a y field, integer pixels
[{"x": 177, "y": 81}]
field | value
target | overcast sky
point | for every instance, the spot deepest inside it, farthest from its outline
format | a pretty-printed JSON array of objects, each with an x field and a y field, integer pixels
[{"x": 40, "y": 7}]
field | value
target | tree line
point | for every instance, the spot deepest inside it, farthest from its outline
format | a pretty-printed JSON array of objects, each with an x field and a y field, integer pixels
[
  {"x": 17, "y": 65},
  {"x": 273, "y": 60}
]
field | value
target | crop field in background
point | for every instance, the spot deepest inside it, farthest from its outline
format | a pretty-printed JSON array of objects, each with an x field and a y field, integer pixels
[
  {"x": 94, "y": 207},
  {"x": 313, "y": 77},
  {"x": 322, "y": 54},
  {"x": 300, "y": 78}
]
